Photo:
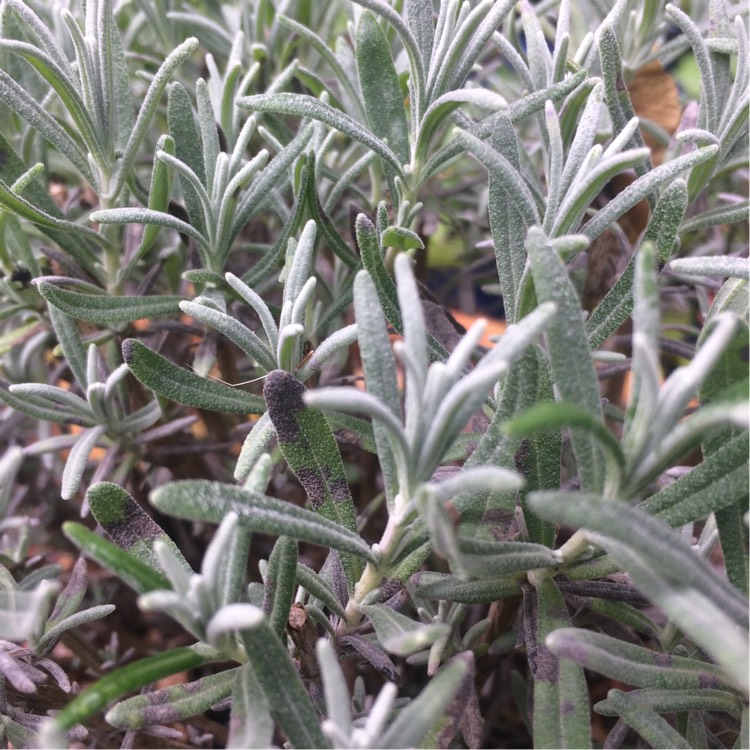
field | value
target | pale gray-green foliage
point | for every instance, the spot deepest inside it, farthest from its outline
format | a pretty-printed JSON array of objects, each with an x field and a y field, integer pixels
[{"x": 277, "y": 116}]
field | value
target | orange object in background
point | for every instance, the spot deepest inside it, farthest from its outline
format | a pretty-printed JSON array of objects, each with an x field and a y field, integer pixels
[{"x": 494, "y": 327}]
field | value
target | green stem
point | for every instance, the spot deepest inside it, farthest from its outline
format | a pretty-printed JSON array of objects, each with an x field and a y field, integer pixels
[{"x": 372, "y": 576}]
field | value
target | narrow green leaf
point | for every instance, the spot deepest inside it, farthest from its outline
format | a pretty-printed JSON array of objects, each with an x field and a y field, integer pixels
[
  {"x": 187, "y": 148},
  {"x": 419, "y": 19},
  {"x": 502, "y": 170},
  {"x": 428, "y": 709},
  {"x": 275, "y": 672},
  {"x": 106, "y": 309},
  {"x": 158, "y": 199},
  {"x": 342, "y": 75},
  {"x": 150, "y": 102},
  {"x": 328, "y": 231},
  {"x": 661, "y": 548},
  {"x": 262, "y": 188},
  {"x": 317, "y": 586},
  {"x": 174, "y": 703},
  {"x": 43, "y": 409},
  {"x": 126, "y": 680},
  {"x": 64, "y": 88},
  {"x": 591, "y": 180},
  {"x": 615, "y": 91},
  {"x": 381, "y": 90},
  {"x": 570, "y": 357},
  {"x": 77, "y": 460},
  {"x": 224, "y": 566},
  {"x": 724, "y": 214},
  {"x": 18, "y": 205},
  {"x": 643, "y": 187},
  {"x": 70, "y": 341},
  {"x": 210, "y": 501},
  {"x": 506, "y": 221},
  {"x": 279, "y": 583},
  {"x": 310, "y": 450},
  {"x": 713, "y": 266},
  {"x": 517, "y": 111},
  {"x": 128, "y": 525},
  {"x": 250, "y": 723},
  {"x": 557, "y": 415},
  {"x": 240, "y": 334},
  {"x": 454, "y": 589},
  {"x": 527, "y": 383},
  {"x": 678, "y": 701},
  {"x": 81, "y": 617},
  {"x": 300, "y": 105},
  {"x": 634, "y": 665},
  {"x": 184, "y": 386},
  {"x": 135, "y": 573},
  {"x": 147, "y": 216},
  {"x": 372, "y": 260},
  {"x": 718, "y": 481},
  {"x": 11, "y": 168},
  {"x": 480, "y": 559},
  {"x": 662, "y": 230},
  {"x": 561, "y": 706},
  {"x": 657, "y": 732},
  {"x": 401, "y": 635}
]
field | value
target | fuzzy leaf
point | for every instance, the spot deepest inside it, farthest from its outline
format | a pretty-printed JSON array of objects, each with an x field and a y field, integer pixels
[
  {"x": 670, "y": 701},
  {"x": 300, "y": 105},
  {"x": 128, "y": 525},
  {"x": 718, "y": 481},
  {"x": 381, "y": 91},
  {"x": 401, "y": 635},
  {"x": 174, "y": 703},
  {"x": 275, "y": 672},
  {"x": 506, "y": 222},
  {"x": 656, "y": 730},
  {"x": 200, "y": 500},
  {"x": 279, "y": 583},
  {"x": 250, "y": 723},
  {"x": 662, "y": 230},
  {"x": 455, "y": 589},
  {"x": 126, "y": 680},
  {"x": 140, "y": 576},
  {"x": 705, "y": 606},
  {"x": 634, "y": 665},
  {"x": 561, "y": 710},
  {"x": 318, "y": 587},
  {"x": 428, "y": 709},
  {"x": 106, "y": 309},
  {"x": 570, "y": 357},
  {"x": 310, "y": 450},
  {"x": 184, "y": 386}
]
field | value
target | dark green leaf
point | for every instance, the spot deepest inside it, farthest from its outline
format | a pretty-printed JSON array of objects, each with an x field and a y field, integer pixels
[
  {"x": 210, "y": 501},
  {"x": 381, "y": 91},
  {"x": 184, "y": 386},
  {"x": 279, "y": 583},
  {"x": 310, "y": 450},
  {"x": 126, "y": 680},
  {"x": 454, "y": 589},
  {"x": 657, "y": 732},
  {"x": 174, "y": 703},
  {"x": 276, "y": 673},
  {"x": 561, "y": 709},
  {"x": 570, "y": 357},
  {"x": 106, "y": 309},
  {"x": 128, "y": 525},
  {"x": 137, "y": 574},
  {"x": 634, "y": 665}
]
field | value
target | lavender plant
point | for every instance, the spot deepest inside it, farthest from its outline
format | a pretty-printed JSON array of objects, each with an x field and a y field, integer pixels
[{"x": 367, "y": 525}]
